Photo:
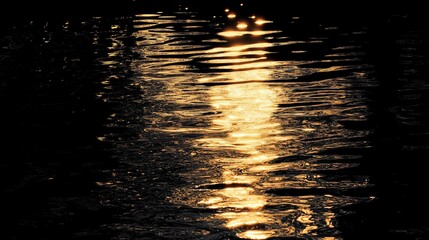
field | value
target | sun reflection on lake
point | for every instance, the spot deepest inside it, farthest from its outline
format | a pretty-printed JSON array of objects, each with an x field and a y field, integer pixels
[
  {"x": 244, "y": 130},
  {"x": 249, "y": 128}
]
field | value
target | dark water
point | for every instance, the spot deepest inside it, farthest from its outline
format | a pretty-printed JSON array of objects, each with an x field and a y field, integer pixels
[{"x": 186, "y": 121}]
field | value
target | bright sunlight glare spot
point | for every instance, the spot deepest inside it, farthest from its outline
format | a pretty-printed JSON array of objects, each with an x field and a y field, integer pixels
[
  {"x": 256, "y": 234},
  {"x": 147, "y": 15},
  {"x": 242, "y": 26},
  {"x": 261, "y": 21}
]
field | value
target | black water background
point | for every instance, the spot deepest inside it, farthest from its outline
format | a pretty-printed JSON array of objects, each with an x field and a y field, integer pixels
[{"x": 51, "y": 118}]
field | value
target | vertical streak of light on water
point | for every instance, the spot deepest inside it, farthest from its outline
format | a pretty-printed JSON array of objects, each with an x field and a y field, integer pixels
[{"x": 236, "y": 139}]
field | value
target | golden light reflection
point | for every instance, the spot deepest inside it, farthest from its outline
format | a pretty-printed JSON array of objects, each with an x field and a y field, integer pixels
[
  {"x": 233, "y": 33},
  {"x": 261, "y": 22},
  {"x": 231, "y": 15},
  {"x": 247, "y": 120},
  {"x": 242, "y": 25},
  {"x": 256, "y": 234},
  {"x": 247, "y": 116},
  {"x": 240, "y": 48},
  {"x": 246, "y": 105},
  {"x": 244, "y": 133}
]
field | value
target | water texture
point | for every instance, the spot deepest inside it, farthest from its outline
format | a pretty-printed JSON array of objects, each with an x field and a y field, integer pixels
[{"x": 184, "y": 122}]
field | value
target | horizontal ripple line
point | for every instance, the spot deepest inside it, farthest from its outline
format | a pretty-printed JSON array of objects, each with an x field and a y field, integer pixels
[{"x": 223, "y": 185}]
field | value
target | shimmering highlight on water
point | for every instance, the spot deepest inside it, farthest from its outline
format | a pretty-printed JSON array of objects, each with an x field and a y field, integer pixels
[
  {"x": 235, "y": 123},
  {"x": 248, "y": 135}
]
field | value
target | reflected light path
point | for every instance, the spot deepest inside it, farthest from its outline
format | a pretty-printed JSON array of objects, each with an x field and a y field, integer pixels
[
  {"x": 246, "y": 119},
  {"x": 232, "y": 116}
]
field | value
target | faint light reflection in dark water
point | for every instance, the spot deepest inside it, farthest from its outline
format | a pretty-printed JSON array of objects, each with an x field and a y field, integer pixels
[{"x": 242, "y": 125}]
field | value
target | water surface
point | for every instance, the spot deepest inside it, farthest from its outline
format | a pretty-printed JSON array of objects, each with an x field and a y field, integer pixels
[{"x": 182, "y": 122}]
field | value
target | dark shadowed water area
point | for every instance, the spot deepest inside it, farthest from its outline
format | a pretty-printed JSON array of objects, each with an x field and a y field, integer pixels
[{"x": 215, "y": 120}]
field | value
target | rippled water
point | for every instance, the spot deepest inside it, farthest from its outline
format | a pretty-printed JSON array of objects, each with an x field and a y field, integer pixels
[
  {"x": 234, "y": 124},
  {"x": 244, "y": 118}
]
